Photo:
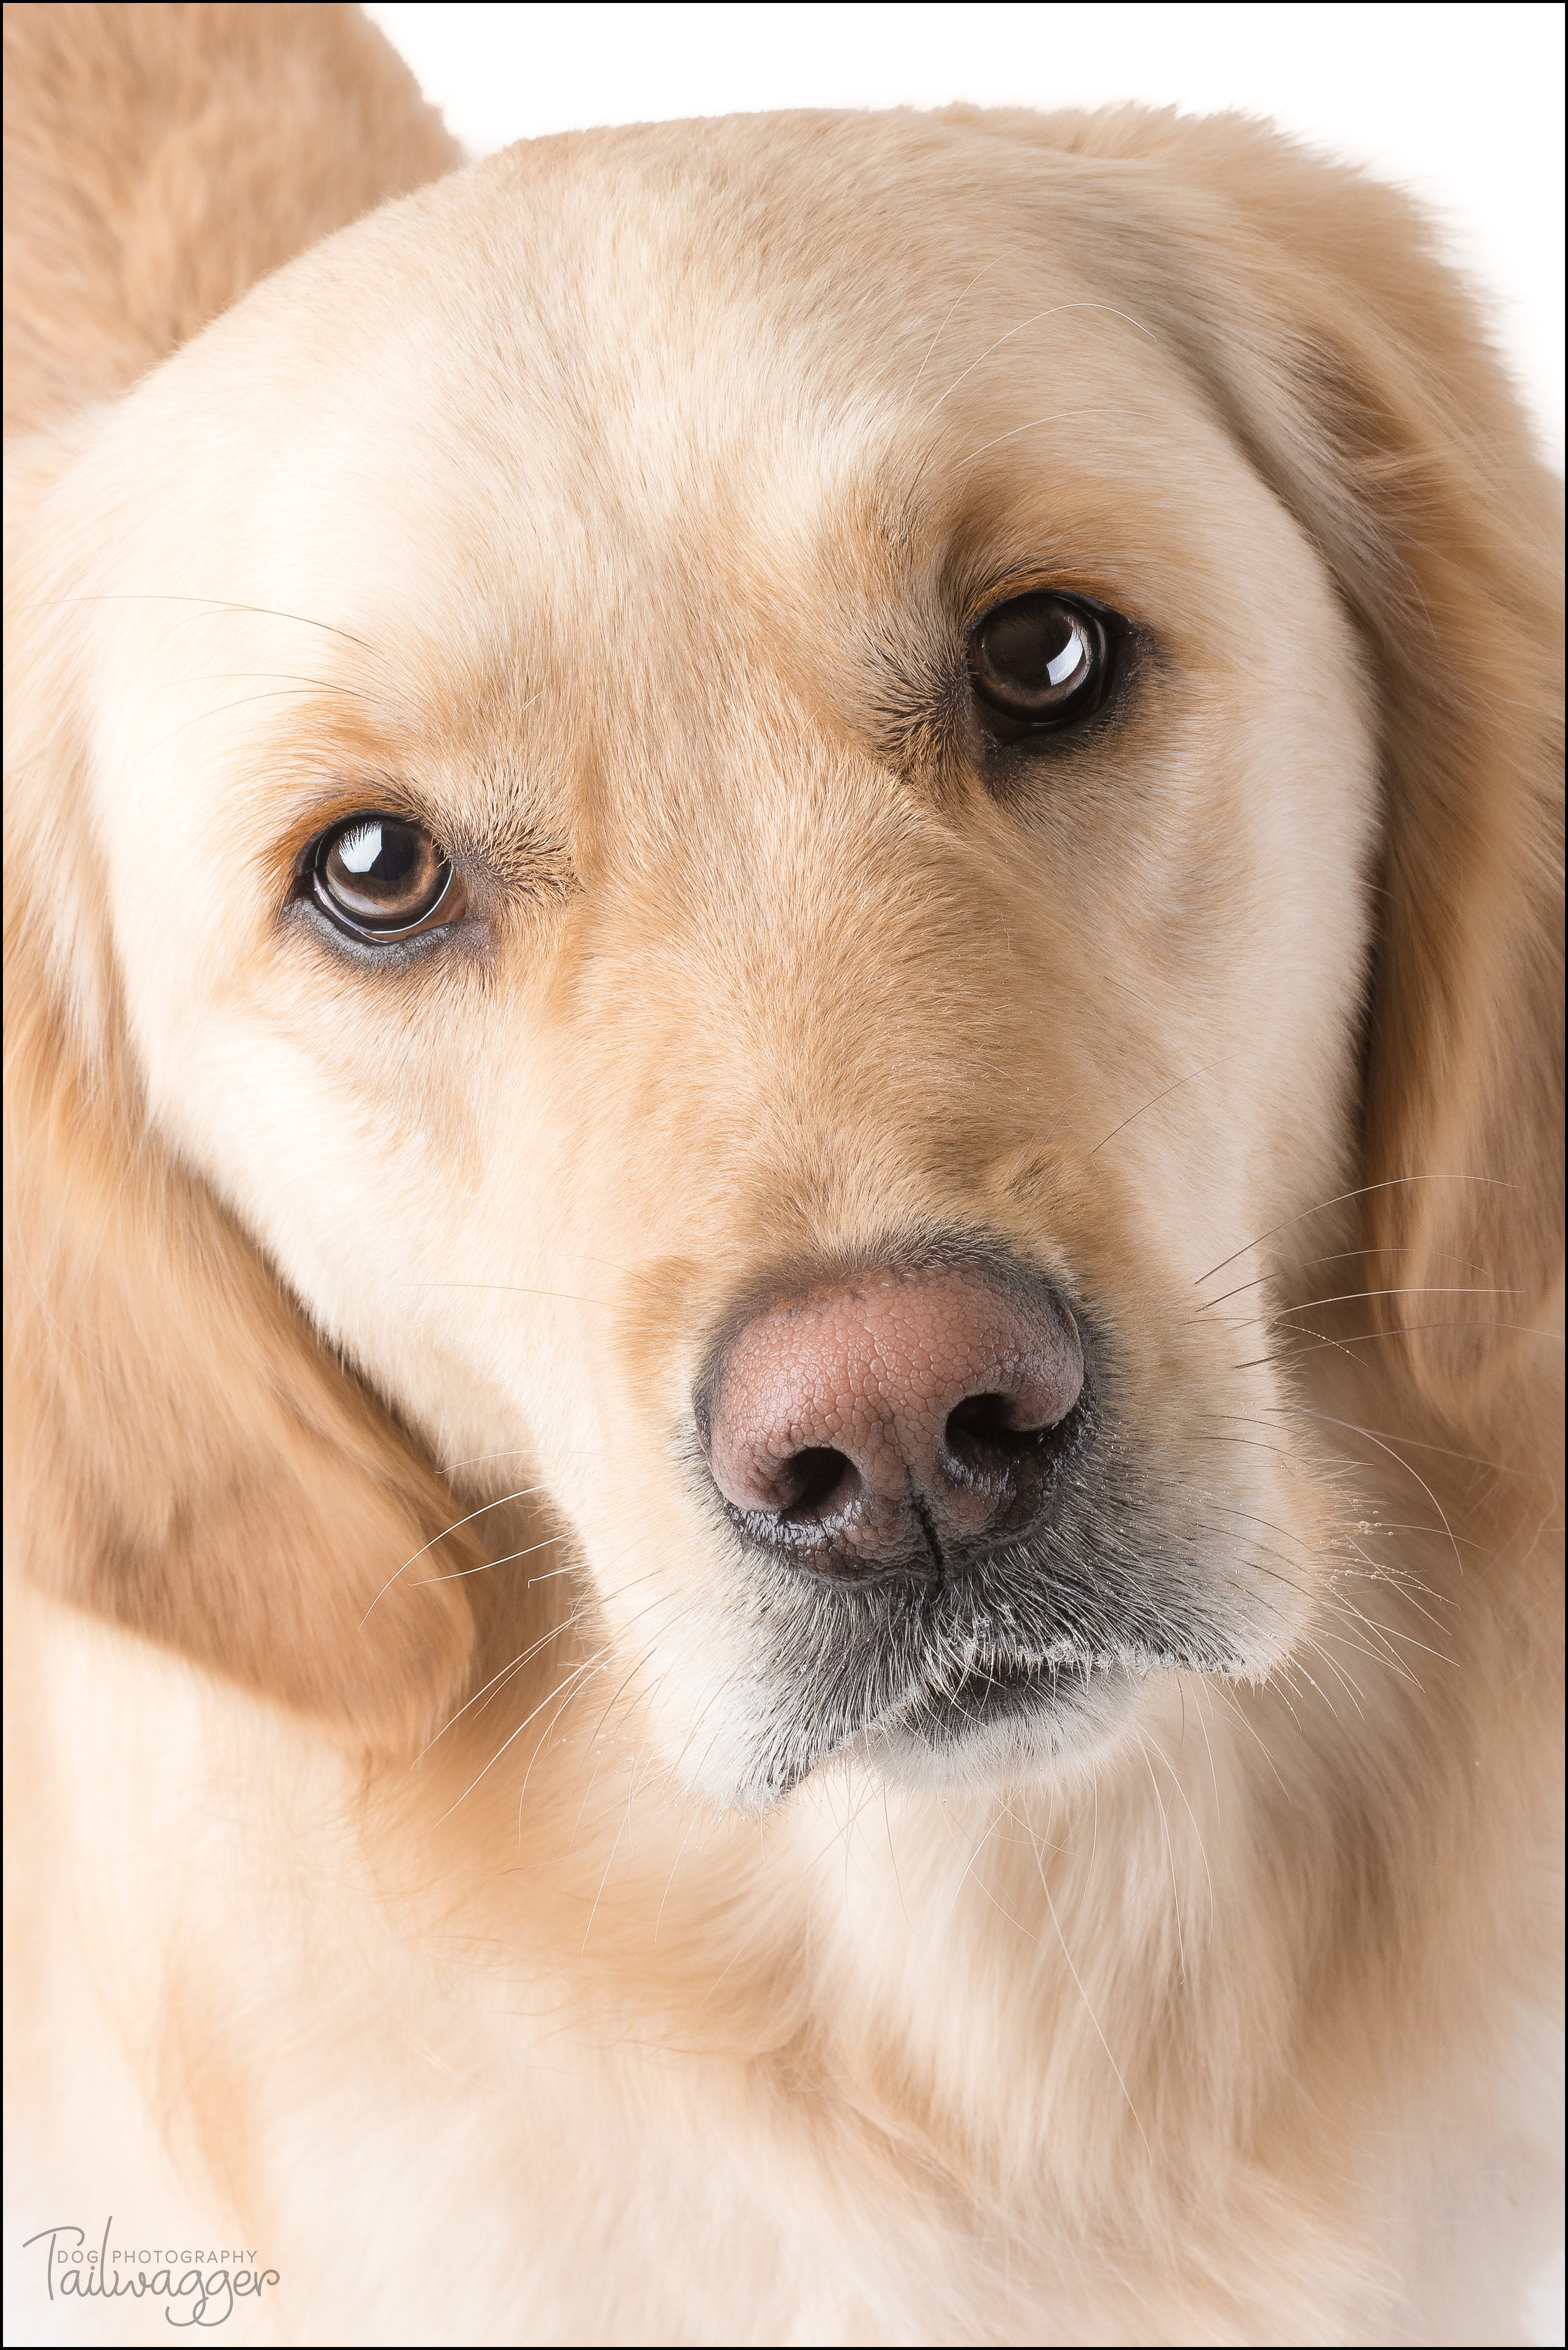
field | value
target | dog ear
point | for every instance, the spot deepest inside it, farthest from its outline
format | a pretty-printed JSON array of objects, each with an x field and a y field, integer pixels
[
  {"x": 160, "y": 160},
  {"x": 186, "y": 1457},
  {"x": 1351, "y": 366}
]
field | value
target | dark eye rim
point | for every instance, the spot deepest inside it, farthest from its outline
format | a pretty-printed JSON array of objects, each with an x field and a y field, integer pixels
[
  {"x": 1115, "y": 634},
  {"x": 445, "y": 908}
]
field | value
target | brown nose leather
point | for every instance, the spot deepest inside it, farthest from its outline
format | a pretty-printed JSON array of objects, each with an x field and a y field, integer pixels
[{"x": 877, "y": 1424}]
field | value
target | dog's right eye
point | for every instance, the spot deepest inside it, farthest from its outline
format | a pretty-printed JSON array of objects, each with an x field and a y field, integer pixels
[{"x": 382, "y": 877}]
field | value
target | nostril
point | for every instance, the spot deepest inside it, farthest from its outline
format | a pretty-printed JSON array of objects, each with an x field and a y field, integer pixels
[
  {"x": 988, "y": 1423},
  {"x": 993, "y": 1431},
  {"x": 813, "y": 1482},
  {"x": 984, "y": 1419}
]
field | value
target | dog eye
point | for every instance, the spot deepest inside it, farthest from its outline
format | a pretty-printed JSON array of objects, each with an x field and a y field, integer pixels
[
  {"x": 1039, "y": 663},
  {"x": 380, "y": 877}
]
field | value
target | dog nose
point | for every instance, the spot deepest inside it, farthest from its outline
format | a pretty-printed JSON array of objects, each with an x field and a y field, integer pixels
[{"x": 891, "y": 1422}]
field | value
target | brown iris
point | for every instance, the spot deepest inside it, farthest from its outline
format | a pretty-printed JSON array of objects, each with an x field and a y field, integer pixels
[
  {"x": 1040, "y": 662},
  {"x": 382, "y": 877}
]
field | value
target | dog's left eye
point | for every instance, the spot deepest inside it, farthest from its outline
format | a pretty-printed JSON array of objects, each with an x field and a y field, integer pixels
[
  {"x": 1038, "y": 663},
  {"x": 382, "y": 877}
]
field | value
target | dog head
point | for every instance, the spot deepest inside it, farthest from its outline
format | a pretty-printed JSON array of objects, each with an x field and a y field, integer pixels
[{"x": 745, "y": 819}]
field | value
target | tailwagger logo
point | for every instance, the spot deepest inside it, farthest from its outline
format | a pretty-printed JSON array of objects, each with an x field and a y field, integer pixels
[{"x": 197, "y": 2286}]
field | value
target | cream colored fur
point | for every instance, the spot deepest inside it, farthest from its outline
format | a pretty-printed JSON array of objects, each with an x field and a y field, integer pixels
[{"x": 415, "y": 1878}]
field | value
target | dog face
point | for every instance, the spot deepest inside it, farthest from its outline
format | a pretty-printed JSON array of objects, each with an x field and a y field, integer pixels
[
  {"x": 678, "y": 628},
  {"x": 681, "y": 766}
]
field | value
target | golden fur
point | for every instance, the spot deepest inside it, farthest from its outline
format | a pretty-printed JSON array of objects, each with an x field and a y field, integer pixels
[{"x": 614, "y": 504}]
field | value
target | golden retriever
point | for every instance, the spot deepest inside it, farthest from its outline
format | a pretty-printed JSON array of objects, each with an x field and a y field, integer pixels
[{"x": 784, "y": 1089}]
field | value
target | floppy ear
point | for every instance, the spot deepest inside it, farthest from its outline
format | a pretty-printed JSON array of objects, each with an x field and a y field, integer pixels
[
  {"x": 185, "y": 1456},
  {"x": 160, "y": 159},
  {"x": 1352, "y": 367}
]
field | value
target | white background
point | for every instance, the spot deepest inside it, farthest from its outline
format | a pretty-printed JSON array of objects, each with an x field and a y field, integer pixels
[{"x": 1461, "y": 104}]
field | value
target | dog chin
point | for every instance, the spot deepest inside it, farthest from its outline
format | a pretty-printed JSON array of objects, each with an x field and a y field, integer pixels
[
  {"x": 996, "y": 1729},
  {"x": 991, "y": 1730}
]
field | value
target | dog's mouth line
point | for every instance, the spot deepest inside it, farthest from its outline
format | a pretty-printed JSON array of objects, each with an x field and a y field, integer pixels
[
  {"x": 946, "y": 1700},
  {"x": 946, "y": 1695},
  {"x": 1005, "y": 1687},
  {"x": 1011, "y": 1677},
  {"x": 985, "y": 1687},
  {"x": 939, "y": 1710}
]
